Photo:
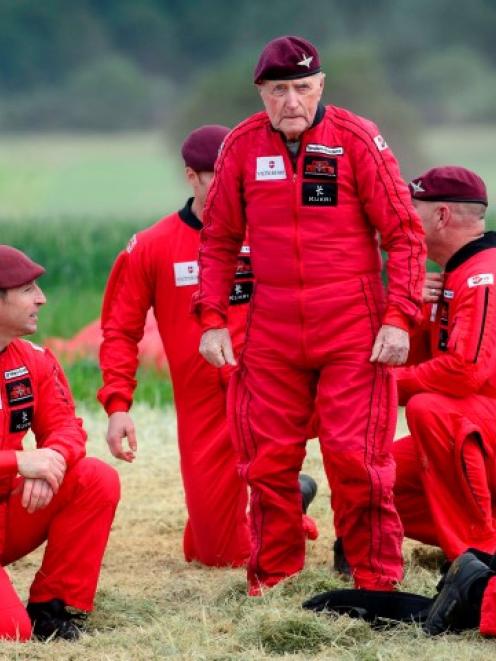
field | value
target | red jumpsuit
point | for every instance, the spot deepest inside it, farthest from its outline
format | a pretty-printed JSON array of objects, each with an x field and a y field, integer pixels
[
  {"x": 446, "y": 470},
  {"x": 76, "y": 524},
  {"x": 160, "y": 269},
  {"x": 318, "y": 305}
]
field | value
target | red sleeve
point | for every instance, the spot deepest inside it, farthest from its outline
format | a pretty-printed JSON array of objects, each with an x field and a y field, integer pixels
[
  {"x": 127, "y": 299},
  {"x": 470, "y": 359},
  {"x": 55, "y": 424},
  {"x": 420, "y": 336},
  {"x": 387, "y": 203},
  {"x": 223, "y": 232},
  {"x": 8, "y": 463}
]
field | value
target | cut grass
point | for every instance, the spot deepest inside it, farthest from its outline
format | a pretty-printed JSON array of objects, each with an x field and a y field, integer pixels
[{"x": 154, "y": 605}]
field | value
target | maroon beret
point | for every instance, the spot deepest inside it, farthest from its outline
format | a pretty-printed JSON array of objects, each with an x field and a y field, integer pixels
[
  {"x": 449, "y": 184},
  {"x": 287, "y": 58},
  {"x": 201, "y": 147},
  {"x": 16, "y": 269}
]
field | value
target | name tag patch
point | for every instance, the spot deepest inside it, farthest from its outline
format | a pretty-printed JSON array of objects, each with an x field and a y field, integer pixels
[
  {"x": 317, "y": 167},
  {"x": 186, "y": 273},
  {"x": 241, "y": 293},
  {"x": 243, "y": 281},
  {"x": 481, "y": 280},
  {"x": 13, "y": 374},
  {"x": 270, "y": 167},
  {"x": 19, "y": 392},
  {"x": 20, "y": 419},
  {"x": 322, "y": 149},
  {"x": 320, "y": 195}
]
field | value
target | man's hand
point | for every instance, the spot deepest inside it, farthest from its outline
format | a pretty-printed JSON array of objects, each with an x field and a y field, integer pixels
[
  {"x": 120, "y": 426},
  {"x": 36, "y": 494},
  {"x": 216, "y": 347},
  {"x": 433, "y": 287},
  {"x": 43, "y": 463},
  {"x": 391, "y": 346}
]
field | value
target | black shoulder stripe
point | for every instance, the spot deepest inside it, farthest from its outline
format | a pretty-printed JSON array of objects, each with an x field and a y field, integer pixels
[{"x": 483, "y": 324}]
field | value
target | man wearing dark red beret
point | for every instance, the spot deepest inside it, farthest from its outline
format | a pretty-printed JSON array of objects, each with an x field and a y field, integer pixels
[
  {"x": 315, "y": 186},
  {"x": 445, "y": 488},
  {"x": 159, "y": 268},
  {"x": 53, "y": 492}
]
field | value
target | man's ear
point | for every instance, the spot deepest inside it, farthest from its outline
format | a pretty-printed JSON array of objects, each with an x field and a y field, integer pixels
[
  {"x": 444, "y": 215},
  {"x": 191, "y": 175}
]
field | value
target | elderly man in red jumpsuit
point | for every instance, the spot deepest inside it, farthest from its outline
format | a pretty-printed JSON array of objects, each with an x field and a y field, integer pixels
[
  {"x": 446, "y": 470},
  {"x": 52, "y": 493},
  {"x": 314, "y": 186}
]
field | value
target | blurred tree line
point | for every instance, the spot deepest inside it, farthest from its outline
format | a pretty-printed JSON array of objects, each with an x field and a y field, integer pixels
[{"x": 129, "y": 64}]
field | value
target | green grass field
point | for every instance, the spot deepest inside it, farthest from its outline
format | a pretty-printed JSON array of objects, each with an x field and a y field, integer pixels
[
  {"x": 472, "y": 147},
  {"x": 138, "y": 176},
  {"x": 130, "y": 176}
]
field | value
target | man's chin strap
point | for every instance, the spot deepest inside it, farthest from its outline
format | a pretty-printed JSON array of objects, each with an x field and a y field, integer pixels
[{"x": 377, "y": 607}]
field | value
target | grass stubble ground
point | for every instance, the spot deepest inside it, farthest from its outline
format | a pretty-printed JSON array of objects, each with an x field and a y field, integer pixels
[{"x": 153, "y": 605}]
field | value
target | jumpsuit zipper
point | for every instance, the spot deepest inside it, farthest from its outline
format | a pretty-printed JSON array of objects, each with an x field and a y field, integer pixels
[{"x": 294, "y": 182}]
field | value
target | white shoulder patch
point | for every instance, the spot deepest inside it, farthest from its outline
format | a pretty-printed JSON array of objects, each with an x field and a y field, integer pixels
[
  {"x": 132, "y": 243},
  {"x": 481, "y": 280},
  {"x": 34, "y": 346},
  {"x": 380, "y": 143}
]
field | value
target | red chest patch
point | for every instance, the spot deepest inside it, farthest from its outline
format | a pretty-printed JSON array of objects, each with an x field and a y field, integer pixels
[{"x": 19, "y": 392}]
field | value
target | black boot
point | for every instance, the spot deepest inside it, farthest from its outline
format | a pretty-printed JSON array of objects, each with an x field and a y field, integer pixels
[
  {"x": 340, "y": 562},
  {"x": 308, "y": 489},
  {"x": 457, "y": 606},
  {"x": 50, "y": 618}
]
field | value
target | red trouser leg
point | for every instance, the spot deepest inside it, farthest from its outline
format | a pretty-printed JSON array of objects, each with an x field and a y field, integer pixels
[
  {"x": 217, "y": 531},
  {"x": 76, "y": 525},
  {"x": 455, "y": 464},
  {"x": 357, "y": 412},
  {"x": 14, "y": 620},
  {"x": 409, "y": 497},
  {"x": 298, "y": 342},
  {"x": 270, "y": 407}
]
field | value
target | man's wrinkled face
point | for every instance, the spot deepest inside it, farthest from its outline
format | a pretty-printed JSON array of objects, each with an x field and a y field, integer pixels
[
  {"x": 19, "y": 310},
  {"x": 292, "y": 104}
]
